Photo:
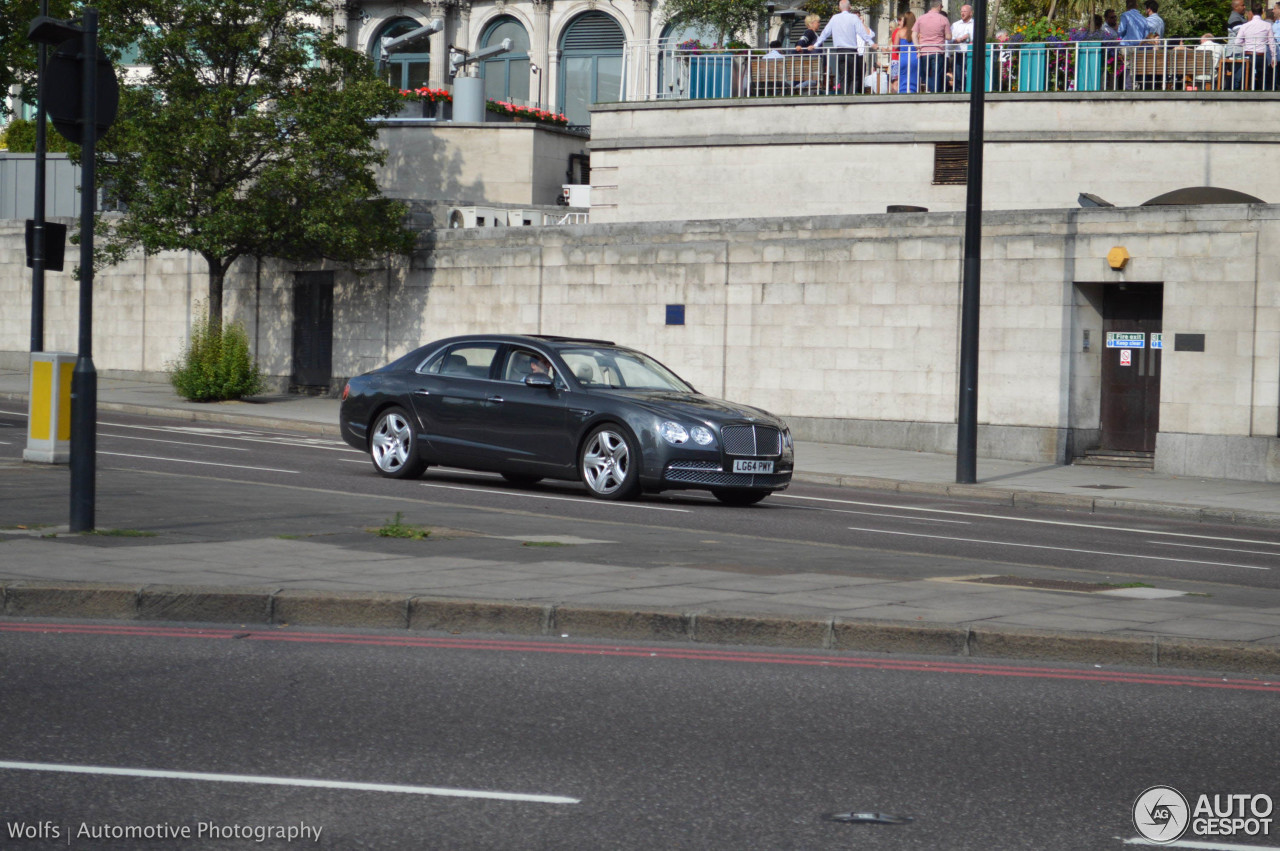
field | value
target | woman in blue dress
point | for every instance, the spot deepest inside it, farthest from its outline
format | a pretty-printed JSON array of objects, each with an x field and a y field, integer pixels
[{"x": 908, "y": 58}]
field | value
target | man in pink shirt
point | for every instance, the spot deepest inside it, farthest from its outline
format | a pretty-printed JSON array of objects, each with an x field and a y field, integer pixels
[
  {"x": 930, "y": 35},
  {"x": 1259, "y": 46}
]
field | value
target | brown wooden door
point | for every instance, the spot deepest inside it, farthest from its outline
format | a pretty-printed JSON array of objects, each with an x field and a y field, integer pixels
[{"x": 1131, "y": 314}]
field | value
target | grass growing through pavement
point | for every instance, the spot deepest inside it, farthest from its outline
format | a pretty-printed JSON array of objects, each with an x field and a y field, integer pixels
[{"x": 398, "y": 529}]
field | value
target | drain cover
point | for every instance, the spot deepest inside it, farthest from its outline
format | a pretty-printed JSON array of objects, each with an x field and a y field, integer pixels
[{"x": 868, "y": 818}]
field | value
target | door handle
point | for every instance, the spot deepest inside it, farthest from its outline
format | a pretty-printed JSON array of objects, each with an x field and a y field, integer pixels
[
  {"x": 497, "y": 400},
  {"x": 422, "y": 391}
]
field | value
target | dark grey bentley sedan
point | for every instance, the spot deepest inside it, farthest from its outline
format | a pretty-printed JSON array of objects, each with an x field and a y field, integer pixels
[{"x": 534, "y": 407}]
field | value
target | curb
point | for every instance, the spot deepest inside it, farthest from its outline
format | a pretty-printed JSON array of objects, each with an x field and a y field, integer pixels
[
  {"x": 1041, "y": 499},
  {"x": 210, "y": 416},
  {"x": 381, "y": 610}
]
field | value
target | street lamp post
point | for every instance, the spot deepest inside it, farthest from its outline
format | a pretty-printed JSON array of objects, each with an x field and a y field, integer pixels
[
  {"x": 970, "y": 294},
  {"x": 38, "y": 214},
  {"x": 537, "y": 73}
]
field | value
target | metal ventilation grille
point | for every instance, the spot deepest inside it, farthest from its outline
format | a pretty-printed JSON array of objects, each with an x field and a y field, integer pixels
[
  {"x": 594, "y": 31},
  {"x": 751, "y": 440},
  {"x": 951, "y": 163}
]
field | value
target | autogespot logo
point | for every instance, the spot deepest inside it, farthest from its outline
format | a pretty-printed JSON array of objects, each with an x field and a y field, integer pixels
[{"x": 1160, "y": 814}]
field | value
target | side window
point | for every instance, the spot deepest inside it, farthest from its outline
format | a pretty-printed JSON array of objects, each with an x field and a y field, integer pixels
[
  {"x": 525, "y": 362},
  {"x": 432, "y": 366},
  {"x": 469, "y": 360},
  {"x": 584, "y": 367}
]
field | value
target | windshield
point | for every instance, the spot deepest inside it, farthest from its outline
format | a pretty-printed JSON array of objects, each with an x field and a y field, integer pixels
[{"x": 618, "y": 368}]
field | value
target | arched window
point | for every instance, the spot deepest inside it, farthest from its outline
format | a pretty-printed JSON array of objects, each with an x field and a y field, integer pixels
[
  {"x": 506, "y": 77},
  {"x": 403, "y": 69},
  {"x": 590, "y": 65}
]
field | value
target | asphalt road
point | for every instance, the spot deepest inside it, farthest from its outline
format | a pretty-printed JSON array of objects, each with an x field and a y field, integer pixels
[
  {"x": 604, "y": 745},
  {"x": 321, "y": 484}
]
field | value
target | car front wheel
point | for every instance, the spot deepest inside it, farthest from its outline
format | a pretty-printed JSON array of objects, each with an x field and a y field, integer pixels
[
  {"x": 394, "y": 447},
  {"x": 610, "y": 464}
]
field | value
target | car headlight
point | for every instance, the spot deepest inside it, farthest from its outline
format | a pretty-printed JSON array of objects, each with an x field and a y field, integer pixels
[
  {"x": 673, "y": 433},
  {"x": 701, "y": 436}
]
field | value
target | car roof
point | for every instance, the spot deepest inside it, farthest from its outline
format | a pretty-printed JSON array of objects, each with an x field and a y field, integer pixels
[{"x": 549, "y": 341}]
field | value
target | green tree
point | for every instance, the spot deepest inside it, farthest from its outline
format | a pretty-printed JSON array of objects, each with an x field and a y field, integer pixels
[
  {"x": 18, "y": 55},
  {"x": 250, "y": 138},
  {"x": 729, "y": 19}
]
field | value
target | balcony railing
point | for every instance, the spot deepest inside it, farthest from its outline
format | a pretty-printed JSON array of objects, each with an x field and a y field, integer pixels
[{"x": 662, "y": 71}]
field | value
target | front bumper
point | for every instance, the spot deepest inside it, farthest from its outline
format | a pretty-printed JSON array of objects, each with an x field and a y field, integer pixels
[{"x": 711, "y": 474}]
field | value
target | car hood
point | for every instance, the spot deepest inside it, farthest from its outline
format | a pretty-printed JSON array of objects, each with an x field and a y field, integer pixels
[{"x": 695, "y": 406}]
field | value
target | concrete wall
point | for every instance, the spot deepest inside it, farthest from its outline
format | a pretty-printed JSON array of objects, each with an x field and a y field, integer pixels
[
  {"x": 847, "y": 326},
  {"x": 476, "y": 163},
  {"x": 813, "y": 156}
]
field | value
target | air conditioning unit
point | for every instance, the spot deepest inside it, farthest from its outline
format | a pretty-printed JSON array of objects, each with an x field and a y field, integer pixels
[
  {"x": 478, "y": 217},
  {"x": 576, "y": 194}
]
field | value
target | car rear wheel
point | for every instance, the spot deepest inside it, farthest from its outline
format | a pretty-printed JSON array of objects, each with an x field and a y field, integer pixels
[
  {"x": 740, "y": 497},
  {"x": 610, "y": 464},
  {"x": 394, "y": 447},
  {"x": 521, "y": 480}
]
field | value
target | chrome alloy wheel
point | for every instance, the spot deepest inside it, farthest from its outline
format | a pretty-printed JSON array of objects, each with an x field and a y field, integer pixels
[
  {"x": 606, "y": 461},
  {"x": 392, "y": 443}
]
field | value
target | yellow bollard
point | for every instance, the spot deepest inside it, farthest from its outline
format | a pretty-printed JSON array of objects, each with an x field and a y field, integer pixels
[{"x": 49, "y": 416}]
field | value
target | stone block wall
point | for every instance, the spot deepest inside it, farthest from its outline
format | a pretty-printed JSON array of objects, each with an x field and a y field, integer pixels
[{"x": 848, "y": 326}]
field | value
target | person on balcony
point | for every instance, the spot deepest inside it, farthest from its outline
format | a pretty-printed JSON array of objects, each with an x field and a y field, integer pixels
[
  {"x": 810, "y": 34},
  {"x": 1155, "y": 23},
  {"x": 849, "y": 36},
  {"x": 904, "y": 67},
  {"x": 1108, "y": 29},
  {"x": 962, "y": 37},
  {"x": 930, "y": 35},
  {"x": 900, "y": 36},
  {"x": 1133, "y": 24},
  {"x": 1259, "y": 47}
]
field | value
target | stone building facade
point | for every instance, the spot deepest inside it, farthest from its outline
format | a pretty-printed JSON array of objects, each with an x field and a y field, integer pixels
[{"x": 846, "y": 325}]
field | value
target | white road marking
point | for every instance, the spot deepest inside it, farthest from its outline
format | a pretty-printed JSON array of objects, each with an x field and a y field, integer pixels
[
  {"x": 178, "y": 442},
  {"x": 881, "y": 514},
  {"x": 527, "y": 495},
  {"x": 189, "y": 461},
  {"x": 1031, "y": 520},
  {"x": 287, "y": 781},
  {"x": 1204, "y": 846},
  {"x": 1059, "y": 549},
  {"x": 1207, "y": 547},
  {"x": 248, "y": 436}
]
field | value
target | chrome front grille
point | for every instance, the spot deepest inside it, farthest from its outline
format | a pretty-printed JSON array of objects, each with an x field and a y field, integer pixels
[
  {"x": 719, "y": 478},
  {"x": 754, "y": 440}
]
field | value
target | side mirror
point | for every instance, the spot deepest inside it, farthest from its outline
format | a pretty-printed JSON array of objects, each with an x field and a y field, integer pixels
[{"x": 539, "y": 379}]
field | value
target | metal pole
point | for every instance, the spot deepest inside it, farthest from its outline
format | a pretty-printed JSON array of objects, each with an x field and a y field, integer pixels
[
  {"x": 84, "y": 380},
  {"x": 970, "y": 298},
  {"x": 37, "y": 235}
]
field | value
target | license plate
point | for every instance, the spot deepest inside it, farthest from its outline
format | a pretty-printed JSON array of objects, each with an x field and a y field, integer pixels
[{"x": 744, "y": 466}]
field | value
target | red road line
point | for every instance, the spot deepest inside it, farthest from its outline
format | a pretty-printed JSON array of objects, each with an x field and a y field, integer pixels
[{"x": 681, "y": 654}]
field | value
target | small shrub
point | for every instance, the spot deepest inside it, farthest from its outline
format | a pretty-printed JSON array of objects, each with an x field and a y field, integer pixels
[
  {"x": 19, "y": 136},
  {"x": 216, "y": 365}
]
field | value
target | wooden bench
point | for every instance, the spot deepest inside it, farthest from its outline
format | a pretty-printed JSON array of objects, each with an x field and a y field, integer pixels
[
  {"x": 792, "y": 73},
  {"x": 1174, "y": 68}
]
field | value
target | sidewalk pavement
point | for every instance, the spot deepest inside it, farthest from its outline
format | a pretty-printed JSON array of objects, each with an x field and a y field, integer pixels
[{"x": 1178, "y": 624}]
